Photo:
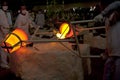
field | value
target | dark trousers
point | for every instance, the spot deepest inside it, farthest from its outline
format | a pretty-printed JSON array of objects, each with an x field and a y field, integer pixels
[{"x": 112, "y": 69}]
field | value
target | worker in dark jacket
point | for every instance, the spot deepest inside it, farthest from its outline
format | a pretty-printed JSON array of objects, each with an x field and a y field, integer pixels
[{"x": 111, "y": 15}]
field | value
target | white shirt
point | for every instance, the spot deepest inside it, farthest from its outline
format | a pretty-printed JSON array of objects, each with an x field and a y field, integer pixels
[
  {"x": 23, "y": 22},
  {"x": 5, "y": 19}
]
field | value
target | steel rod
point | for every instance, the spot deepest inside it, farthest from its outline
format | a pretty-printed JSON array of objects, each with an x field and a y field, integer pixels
[
  {"x": 42, "y": 33},
  {"x": 35, "y": 32},
  {"x": 93, "y": 28},
  {"x": 49, "y": 40},
  {"x": 82, "y": 21},
  {"x": 77, "y": 42}
]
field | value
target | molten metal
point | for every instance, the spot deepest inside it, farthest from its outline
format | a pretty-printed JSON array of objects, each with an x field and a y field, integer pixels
[
  {"x": 65, "y": 31},
  {"x": 13, "y": 41}
]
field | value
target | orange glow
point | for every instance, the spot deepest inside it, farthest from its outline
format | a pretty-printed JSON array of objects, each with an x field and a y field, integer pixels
[
  {"x": 65, "y": 31},
  {"x": 15, "y": 39}
]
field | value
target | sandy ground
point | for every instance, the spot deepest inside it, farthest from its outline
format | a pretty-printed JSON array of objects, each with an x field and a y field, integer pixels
[
  {"x": 49, "y": 61},
  {"x": 52, "y": 61}
]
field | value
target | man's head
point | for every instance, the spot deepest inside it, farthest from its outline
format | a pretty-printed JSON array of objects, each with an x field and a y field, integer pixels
[
  {"x": 22, "y": 7},
  {"x": 23, "y": 10},
  {"x": 4, "y": 5}
]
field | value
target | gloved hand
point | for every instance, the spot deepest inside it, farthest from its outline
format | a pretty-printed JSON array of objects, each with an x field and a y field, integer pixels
[
  {"x": 98, "y": 18},
  {"x": 104, "y": 55}
]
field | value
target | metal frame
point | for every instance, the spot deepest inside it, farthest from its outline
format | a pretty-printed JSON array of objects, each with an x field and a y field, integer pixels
[
  {"x": 68, "y": 40},
  {"x": 77, "y": 42}
]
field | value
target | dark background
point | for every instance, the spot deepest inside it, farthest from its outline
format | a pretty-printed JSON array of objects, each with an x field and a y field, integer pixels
[{"x": 14, "y": 4}]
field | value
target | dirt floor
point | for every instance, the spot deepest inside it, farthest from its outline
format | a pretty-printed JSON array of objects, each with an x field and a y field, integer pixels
[{"x": 97, "y": 65}]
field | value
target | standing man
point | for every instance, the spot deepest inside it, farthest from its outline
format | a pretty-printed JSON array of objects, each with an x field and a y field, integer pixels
[
  {"x": 5, "y": 19},
  {"x": 40, "y": 19},
  {"x": 5, "y": 23},
  {"x": 112, "y": 22},
  {"x": 23, "y": 20}
]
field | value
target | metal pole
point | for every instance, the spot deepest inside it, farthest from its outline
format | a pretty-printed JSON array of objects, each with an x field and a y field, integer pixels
[
  {"x": 49, "y": 40},
  {"x": 35, "y": 32},
  {"x": 45, "y": 33},
  {"x": 93, "y": 28},
  {"x": 76, "y": 39},
  {"x": 82, "y": 21}
]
